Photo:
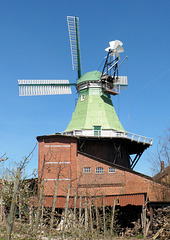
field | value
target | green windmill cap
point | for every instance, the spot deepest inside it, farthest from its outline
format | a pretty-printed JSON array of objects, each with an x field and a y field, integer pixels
[{"x": 90, "y": 76}]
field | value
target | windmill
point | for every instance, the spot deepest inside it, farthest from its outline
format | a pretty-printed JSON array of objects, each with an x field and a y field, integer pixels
[
  {"x": 108, "y": 82},
  {"x": 94, "y": 115}
]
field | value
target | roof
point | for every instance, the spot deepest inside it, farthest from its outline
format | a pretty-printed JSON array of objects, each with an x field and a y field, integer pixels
[
  {"x": 132, "y": 145},
  {"x": 122, "y": 200},
  {"x": 116, "y": 166},
  {"x": 162, "y": 174},
  {"x": 132, "y": 199},
  {"x": 55, "y": 135},
  {"x": 90, "y": 76}
]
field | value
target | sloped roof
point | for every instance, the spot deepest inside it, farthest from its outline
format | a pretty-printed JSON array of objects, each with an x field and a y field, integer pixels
[
  {"x": 162, "y": 174},
  {"x": 89, "y": 76},
  {"x": 116, "y": 166},
  {"x": 132, "y": 145}
]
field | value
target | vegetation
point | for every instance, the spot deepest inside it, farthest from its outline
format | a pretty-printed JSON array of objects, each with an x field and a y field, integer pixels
[
  {"x": 29, "y": 219},
  {"x": 163, "y": 153},
  {"x": 161, "y": 168}
]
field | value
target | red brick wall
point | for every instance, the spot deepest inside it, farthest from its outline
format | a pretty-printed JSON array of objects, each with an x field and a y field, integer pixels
[
  {"x": 120, "y": 182},
  {"x": 102, "y": 183},
  {"x": 60, "y": 158}
]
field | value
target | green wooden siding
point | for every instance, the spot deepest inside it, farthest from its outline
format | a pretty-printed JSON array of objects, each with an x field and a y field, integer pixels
[{"x": 96, "y": 110}]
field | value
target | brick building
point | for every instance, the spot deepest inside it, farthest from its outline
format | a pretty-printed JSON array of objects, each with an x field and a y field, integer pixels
[{"x": 71, "y": 160}]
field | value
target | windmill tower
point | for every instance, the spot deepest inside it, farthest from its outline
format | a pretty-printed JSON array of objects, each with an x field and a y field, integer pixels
[{"x": 94, "y": 121}]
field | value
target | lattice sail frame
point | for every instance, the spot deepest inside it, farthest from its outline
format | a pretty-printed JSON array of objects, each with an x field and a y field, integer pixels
[
  {"x": 122, "y": 82},
  {"x": 73, "y": 28},
  {"x": 43, "y": 87}
]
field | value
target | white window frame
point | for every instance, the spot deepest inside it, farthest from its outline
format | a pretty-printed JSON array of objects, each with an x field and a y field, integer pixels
[
  {"x": 111, "y": 170},
  {"x": 82, "y": 97},
  {"x": 87, "y": 170},
  {"x": 99, "y": 170}
]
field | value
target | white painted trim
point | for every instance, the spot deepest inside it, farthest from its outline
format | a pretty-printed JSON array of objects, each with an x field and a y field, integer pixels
[
  {"x": 57, "y": 162},
  {"x": 63, "y": 179},
  {"x": 57, "y": 146},
  {"x": 111, "y": 133}
]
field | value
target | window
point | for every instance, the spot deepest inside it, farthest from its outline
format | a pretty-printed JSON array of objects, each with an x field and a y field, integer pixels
[
  {"x": 87, "y": 169},
  {"x": 82, "y": 97},
  {"x": 97, "y": 130},
  {"x": 112, "y": 170},
  {"x": 99, "y": 170}
]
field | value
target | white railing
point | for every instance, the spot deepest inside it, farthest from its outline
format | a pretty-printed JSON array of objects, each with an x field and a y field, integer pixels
[
  {"x": 139, "y": 138},
  {"x": 110, "y": 133}
]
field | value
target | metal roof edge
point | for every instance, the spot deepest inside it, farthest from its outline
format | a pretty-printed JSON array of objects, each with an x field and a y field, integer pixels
[
  {"x": 111, "y": 195},
  {"x": 118, "y": 137},
  {"x": 54, "y": 135}
]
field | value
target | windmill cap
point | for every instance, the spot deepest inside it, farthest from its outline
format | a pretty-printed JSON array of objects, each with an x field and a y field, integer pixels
[{"x": 90, "y": 76}]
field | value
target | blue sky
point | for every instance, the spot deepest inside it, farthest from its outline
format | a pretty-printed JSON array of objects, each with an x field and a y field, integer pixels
[{"x": 34, "y": 44}]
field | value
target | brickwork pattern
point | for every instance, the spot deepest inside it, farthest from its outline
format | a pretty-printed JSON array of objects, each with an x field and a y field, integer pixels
[{"x": 58, "y": 158}]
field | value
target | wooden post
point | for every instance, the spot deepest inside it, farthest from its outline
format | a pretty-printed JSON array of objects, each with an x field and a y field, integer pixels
[
  {"x": 86, "y": 214},
  {"x": 112, "y": 217},
  {"x": 151, "y": 214},
  {"x": 66, "y": 209},
  {"x": 54, "y": 204},
  {"x": 143, "y": 220},
  {"x": 10, "y": 219},
  {"x": 97, "y": 216},
  {"x": 1, "y": 209},
  {"x": 91, "y": 220},
  {"x": 80, "y": 203},
  {"x": 41, "y": 218},
  {"x": 30, "y": 215},
  {"x": 104, "y": 218},
  {"x": 80, "y": 206},
  {"x": 75, "y": 205},
  {"x": 38, "y": 215},
  {"x": 19, "y": 203},
  {"x": 42, "y": 213}
]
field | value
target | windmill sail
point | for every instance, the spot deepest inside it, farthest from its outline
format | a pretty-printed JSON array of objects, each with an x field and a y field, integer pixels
[
  {"x": 44, "y": 87},
  {"x": 122, "y": 82},
  {"x": 73, "y": 28}
]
